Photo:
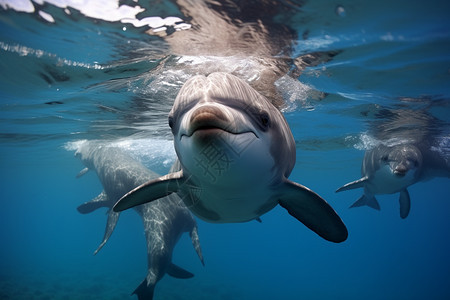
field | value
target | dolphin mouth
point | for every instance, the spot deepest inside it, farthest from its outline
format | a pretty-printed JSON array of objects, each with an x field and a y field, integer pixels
[
  {"x": 400, "y": 173},
  {"x": 213, "y": 129},
  {"x": 208, "y": 122},
  {"x": 212, "y": 120}
]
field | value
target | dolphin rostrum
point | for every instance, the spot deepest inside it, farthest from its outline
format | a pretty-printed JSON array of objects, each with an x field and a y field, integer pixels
[
  {"x": 164, "y": 220},
  {"x": 236, "y": 153}
]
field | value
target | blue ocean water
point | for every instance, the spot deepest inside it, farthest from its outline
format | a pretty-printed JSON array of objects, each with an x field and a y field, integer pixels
[{"x": 70, "y": 73}]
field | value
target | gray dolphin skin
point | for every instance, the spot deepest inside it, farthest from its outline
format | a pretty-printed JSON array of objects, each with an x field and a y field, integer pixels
[
  {"x": 165, "y": 220},
  {"x": 391, "y": 169},
  {"x": 236, "y": 152}
]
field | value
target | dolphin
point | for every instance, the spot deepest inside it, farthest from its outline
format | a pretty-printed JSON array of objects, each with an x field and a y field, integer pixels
[
  {"x": 410, "y": 148},
  {"x": 392, "y": 169},
  {"x": 236, "y": 152},
  {"x": 165, "y": 220},
  {"x": 388, "y": 170}
]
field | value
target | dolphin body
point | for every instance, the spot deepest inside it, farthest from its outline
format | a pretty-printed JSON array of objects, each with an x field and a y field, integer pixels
[
  {"x": 165, "y": 220},
  {"x": 236, "y": 153},
  {"x": 391, "y": 169}
]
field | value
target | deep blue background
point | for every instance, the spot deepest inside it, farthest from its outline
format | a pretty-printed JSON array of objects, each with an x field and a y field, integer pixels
[{"x": 390, "y": 50}]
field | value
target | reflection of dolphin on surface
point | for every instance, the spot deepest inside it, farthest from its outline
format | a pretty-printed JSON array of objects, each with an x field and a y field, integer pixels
[
  {"x": 249, "y": 40},
  {"x": 236, "y": 151},
  {"x": 409, "y": 152},
  {"x": 165, "y": 220}
]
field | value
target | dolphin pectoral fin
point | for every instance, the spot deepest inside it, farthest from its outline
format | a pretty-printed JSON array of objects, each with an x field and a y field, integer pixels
[
  {"x": 99, "y": 201},
  {"x": 178, "y": 272},
  {"x": 405, "y": 203},
  {"x": 150, "y": 191},
  {"x": 196, "y": 243},
  {"x": 82, "y": 172},
  {"x": 258, "y": 219},
  {"x": 370, "y": 201},
  {"x": 313, "y": 211},
  {"x": 144, "y": 291},
  {"x": 353, "y": 185},
  {"x": 113, "y": 217}
]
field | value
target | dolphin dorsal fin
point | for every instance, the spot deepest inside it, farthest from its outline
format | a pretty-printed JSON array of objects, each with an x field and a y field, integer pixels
[
  {"x": 353, "y": 185},
  {"x": 368, "y": 200},
  {"x": 150, "y": 191},
  {"x": 313, "y": 211},
  {"x": 405, "y": 203}
]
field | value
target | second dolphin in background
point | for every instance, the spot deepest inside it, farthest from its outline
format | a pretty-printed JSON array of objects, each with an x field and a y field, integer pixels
[
  {"x": 410, "y": 148},
  {"x": 164, "y": 220}
]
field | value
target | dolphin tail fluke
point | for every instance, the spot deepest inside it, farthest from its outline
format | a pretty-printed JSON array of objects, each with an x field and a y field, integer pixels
[
  {"x": 196, "y": 243},
  {"x": 144, "y": 291},
  {"x": 150, "y": 191},
  {"x": 178, "y": 272},
  {"x": 365, "y": 200},
  {"x": 405, "y": 203},
  {"x": 113, "y": 217},
  {"x": 99, "y": 201},
  {"x": 353, "y": 185},
  {"x": 313, "y": 211}
]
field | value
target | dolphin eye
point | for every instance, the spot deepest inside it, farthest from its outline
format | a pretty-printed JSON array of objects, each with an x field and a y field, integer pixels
[{"x": 265, "y": 120}]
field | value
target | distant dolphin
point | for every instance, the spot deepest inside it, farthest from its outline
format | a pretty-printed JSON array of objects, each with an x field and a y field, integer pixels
[
  {"x": 164, "y": 220},
  {"x": 411, "y": 149},
  {"x": 389, "y": 170},
  {"x": 236, "y": 151}
]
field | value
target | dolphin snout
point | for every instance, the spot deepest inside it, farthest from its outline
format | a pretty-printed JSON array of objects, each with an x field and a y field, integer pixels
[
  {"x": 208, "y": 110},
  {"x": 400, "y": 170},
  {"x": 208, "y": 117}
]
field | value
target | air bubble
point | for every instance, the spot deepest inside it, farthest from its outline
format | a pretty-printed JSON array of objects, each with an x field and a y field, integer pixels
[{"x": 340, "y": 11}]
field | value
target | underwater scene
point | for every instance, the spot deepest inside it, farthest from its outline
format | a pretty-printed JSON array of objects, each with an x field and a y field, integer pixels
[{"x": 200, "y": 149}]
